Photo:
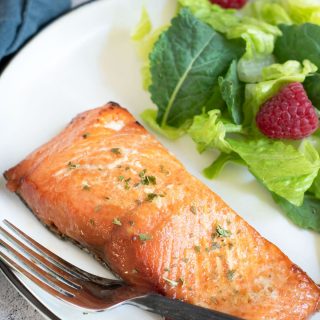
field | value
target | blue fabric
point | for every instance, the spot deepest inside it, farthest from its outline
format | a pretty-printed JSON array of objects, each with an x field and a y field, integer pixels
[{"x": 20, "y": 19}]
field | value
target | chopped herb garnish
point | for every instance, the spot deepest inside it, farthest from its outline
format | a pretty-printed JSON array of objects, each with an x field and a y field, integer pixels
[
  {"x": 163, "y": 170},
  {"x": 72, "y": 165},
  {"x": 144, "y": 237},
  {"x": 142, "y": 173},
  {"x": 121, "y": 178},
  {"x": 193, "y": 209},
  {"x": 85, "y": 185},
  {"x": 126, "y": 183},
  {"x": 197, "y": 249},
  {"x": 97, "y": 208},
  {"x": 92, "y": 222},
  {"x": 86, "y": 135},
  {"x": 116, "y": 150},
  {"x": 171, "y": 282},
  {"x": 149, "y": 180},
  {"x": 230, "y": 274},
  {"x": 215, "y": 246},
  {"x": 151, "y": 196},
  {"x": 223, "y": 232},
  {"x": 146, "y": 180},
  {"x": 136, "y": 184},
  {"x": 181, "y": 280},
  {"x": 117, "y": 222}
]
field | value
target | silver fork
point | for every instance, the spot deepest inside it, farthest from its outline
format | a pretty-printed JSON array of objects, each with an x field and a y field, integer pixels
[{"x": 80, "y": 288}]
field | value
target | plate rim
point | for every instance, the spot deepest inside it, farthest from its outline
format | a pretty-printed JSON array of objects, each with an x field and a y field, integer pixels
[
  {"x": 25, "y": 292},
  {"x": 7, "y": 60},
  {"x": 8, "y": 272},
  {"x": 50, "y": 24}
]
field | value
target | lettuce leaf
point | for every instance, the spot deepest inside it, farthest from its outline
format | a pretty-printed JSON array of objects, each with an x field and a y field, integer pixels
[
  {"x": 299, "y": 42},
  {"x": 250, "y": 70},
  {"x": 232, "y": 90},
  {"x": 216, "y": 101},
  {"x": 218, "y": 18},
  {"x": 309, "y": 151},
  {"x": 274, "y": 78},
  {"x": 218, "y": 164},
  {"x": 269, "y": 11},
  {"x": 314, "y": 140},
  {"x": 306, "y": 216},
  {"x": 315, "y": 188},
  {"x": 209, "y": 131},
  {"x": 145, "y": 38},
  {"x": 285, "y": 11},
  {"x": 258, "y": 35},
  {"x": 279, "y": 166},
  {"x": 302, "y": 11},
  {"x": 149, "y": 116},
  {"x": 186, "y": 62},
  {"x": 143, "y": 27},
  {"x": 312, "y": 87}
]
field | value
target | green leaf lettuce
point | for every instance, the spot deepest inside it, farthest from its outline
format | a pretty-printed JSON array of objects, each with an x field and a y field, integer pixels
[
  {"x": 282, "y": 168},
  {"x": 207, "y": 131},
  {"x": 145, "y": 38},
  {"x": 232, "y": 90},
  {"x": 306, "y": 216},
  {"x": 299, "y": 42},
  {"x": 285, "y": 11},
  {"x": 218, "y": 164},
  {"x": 258, "y": 35},
  {"x": 185, "y": 64}
]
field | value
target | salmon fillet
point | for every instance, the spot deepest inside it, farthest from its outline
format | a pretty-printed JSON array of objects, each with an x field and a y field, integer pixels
[{"x": 108, "y": 184}]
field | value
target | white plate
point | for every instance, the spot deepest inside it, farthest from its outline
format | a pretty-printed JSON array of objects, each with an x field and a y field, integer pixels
[{"x": 81, "y": 61}]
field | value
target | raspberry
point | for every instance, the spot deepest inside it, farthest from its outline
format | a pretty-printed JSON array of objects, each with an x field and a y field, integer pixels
[
  {"x": 288, "y": 115},
  {"x": 230, "y": 4}
]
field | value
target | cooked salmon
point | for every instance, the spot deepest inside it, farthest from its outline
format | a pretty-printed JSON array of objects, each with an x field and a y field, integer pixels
[{"x": 108, "y": 184}]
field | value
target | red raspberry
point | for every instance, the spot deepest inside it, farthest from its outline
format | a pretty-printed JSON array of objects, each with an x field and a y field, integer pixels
[
  {"x": 288, "y": 115},
  {"x": 230, "y": 4}
]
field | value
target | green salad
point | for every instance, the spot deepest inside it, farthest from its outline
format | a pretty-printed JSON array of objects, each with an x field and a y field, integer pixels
[{"x": 211, "y": 71}]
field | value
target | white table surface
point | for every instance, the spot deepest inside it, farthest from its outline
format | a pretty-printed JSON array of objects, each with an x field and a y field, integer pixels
[{"x": 12, "y": 305}]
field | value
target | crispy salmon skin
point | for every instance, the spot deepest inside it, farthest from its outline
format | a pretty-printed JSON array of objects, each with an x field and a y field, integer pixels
[{"x": 108, "y": 184}]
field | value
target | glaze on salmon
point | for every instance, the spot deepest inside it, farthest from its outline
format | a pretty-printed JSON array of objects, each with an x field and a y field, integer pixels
[{"x": 107, "y": 183}]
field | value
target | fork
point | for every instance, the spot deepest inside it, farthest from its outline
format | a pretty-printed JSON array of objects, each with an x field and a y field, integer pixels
[{"x": 80, "y": 288}]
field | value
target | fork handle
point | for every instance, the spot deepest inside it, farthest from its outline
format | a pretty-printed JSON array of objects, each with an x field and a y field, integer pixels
[{"x": 176, "y": 309}]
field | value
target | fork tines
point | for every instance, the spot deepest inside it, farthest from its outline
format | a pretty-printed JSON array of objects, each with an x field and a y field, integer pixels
[{"x": 50, "y": 272}]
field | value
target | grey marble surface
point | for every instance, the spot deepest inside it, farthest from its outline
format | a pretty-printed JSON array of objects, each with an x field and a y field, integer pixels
[{"x": 12, "y": 305}]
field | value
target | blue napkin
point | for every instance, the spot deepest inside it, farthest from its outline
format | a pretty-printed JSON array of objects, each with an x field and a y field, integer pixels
[{"x": 20, "y": 19}]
